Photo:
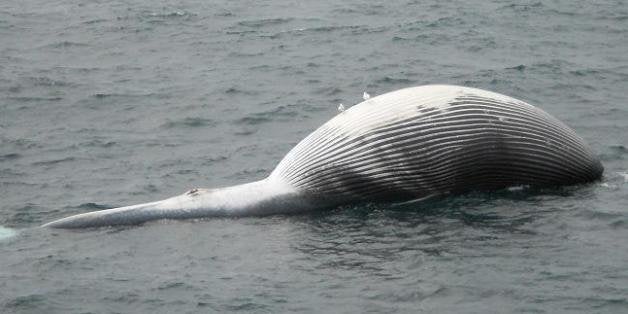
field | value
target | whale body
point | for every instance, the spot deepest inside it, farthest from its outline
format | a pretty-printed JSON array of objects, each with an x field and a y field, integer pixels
[{"x": 410, "y": 144}]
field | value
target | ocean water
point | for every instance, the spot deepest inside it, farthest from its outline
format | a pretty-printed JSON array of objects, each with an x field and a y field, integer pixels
[{"x": 110, "y": 103}]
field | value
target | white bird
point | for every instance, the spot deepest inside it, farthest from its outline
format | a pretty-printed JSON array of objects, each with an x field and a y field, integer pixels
[
  {"x": 366, "y": 96},
  {"x": 341, "y": 107}
]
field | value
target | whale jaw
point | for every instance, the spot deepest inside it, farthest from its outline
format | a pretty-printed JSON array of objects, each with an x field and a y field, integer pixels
[
  {"x": 129, "y": 215},
  {"x": 264, "y": 197}
]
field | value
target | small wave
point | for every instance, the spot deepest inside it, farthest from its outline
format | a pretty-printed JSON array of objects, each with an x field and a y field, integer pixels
[
  {"x": 619, "y": 224},
  {"x": 29, "y": 303},
  {"x": 584, "y": 72},
  {"x": 148, "y": 189},
  {"x": 239, "y": 54},
  {"x": 254, "y": 119},
  {"x": 47, "y": 82},
  {"x": 624, "y": 176},
  {"x": 94, "y": 21},
  {"x": 6, "y": 233},
  {"x": 352, "y": 29},
  {"x": 267, "y": 116},
  {"x": 81, "y": 70},
  {"x": 210, "y": 160},
  {"x": 97, "y": 100},
  {"x": 240, "y": 32},
  {"x": 597, "y": 214},
  {"x": 92, "y": 206},
  {"x": 333, "y": 28},
  {"x": 34, "y": 99},
  {"x": 446, "y": 21},
  {"x": 163, "y": 17},
  {"x": 189, "y": 122},
  {"x": 620, "y": 18},
  {"x": 393, "y": 80},
  {"x": 107, "y": 95},
  {"x": 26, "y": 215},
  {"x": 53, "y": 161},
  {"x": 619, "y": 148},
  {"x": 8, "y": 172},
  {"x": 250, "y": 173},
  {"x": 329, "y": 91},
  {"x": 516, "y": 7},
  {"x": 614, "y": 152},
  {"x": 9, "y": 156},
  {"x": 99, "y": 143},
  {"x": 265, "y": 22},
  {"x": 520, "y": 67},
  {"x": 171, "y": 285},
  {"x": 224, "y": 14},
  {"x": 367, "y": 9},
  {"x": 65, "y": 44},
  {"x": 174, "y": 14},
  {"x": 235, "y": 90}
]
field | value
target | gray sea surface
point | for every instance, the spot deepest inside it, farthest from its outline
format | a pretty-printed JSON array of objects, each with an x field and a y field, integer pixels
[{"x": 118, "y": 102}]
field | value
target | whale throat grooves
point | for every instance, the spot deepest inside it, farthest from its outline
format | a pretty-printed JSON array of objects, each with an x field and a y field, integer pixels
[{"x": 440, "y": 139}]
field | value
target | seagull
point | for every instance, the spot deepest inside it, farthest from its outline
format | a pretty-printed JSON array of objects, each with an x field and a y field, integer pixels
[
  {"x": 366, "y": 96},
  {"x": 341, "y": 107}
]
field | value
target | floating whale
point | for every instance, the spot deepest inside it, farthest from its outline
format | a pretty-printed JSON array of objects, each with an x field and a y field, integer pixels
[{"x": 410, "y": 144}]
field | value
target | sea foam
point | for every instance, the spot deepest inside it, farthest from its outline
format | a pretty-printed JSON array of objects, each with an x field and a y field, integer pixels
[{"x": 6, "y": 233}]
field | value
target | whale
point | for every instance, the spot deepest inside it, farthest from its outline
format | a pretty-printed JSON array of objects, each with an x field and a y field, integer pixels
[{"x": 403, "y": 146}]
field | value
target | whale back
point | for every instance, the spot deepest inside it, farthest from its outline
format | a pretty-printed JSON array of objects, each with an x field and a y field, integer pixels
[{"x": 437, "y": 139}]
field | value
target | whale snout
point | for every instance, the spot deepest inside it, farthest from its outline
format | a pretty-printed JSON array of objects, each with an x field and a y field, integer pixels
[{"x": 129, "y": 215}]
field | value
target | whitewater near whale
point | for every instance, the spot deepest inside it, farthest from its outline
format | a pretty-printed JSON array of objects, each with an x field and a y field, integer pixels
[{"x": 409, "y": 144}]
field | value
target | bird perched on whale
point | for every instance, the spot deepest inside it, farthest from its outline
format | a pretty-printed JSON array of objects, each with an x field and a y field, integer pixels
[{"x": 408, "y": 144}]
